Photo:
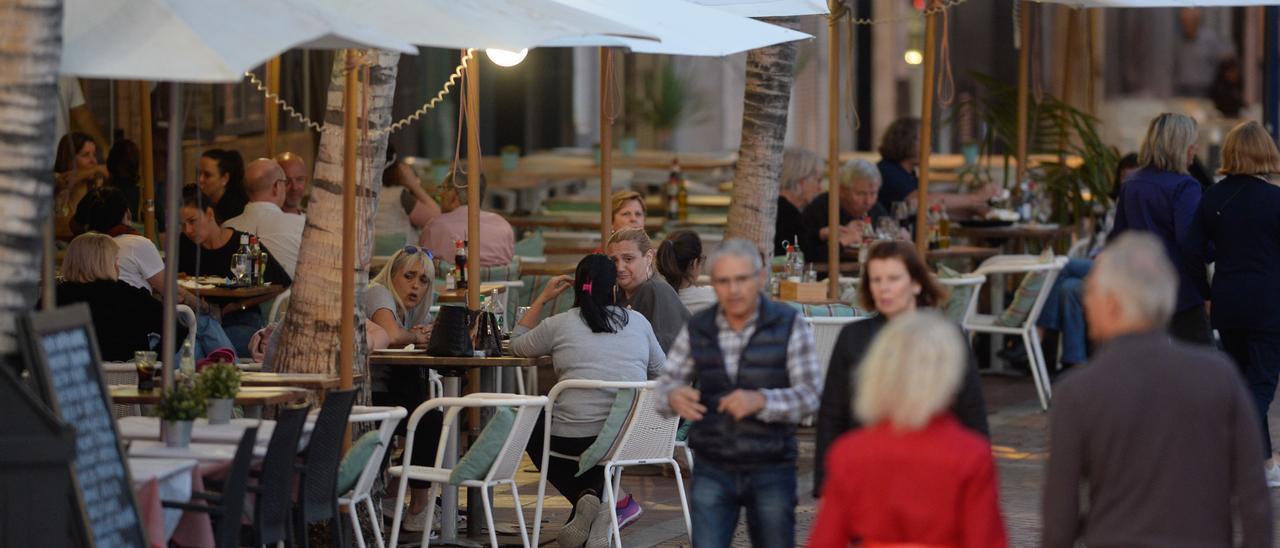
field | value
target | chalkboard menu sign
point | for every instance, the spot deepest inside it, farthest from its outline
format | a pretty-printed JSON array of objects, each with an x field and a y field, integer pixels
[{"x": 63, "y": 357}]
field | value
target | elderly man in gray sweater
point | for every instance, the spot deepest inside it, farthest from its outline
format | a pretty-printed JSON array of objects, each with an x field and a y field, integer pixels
[{"x": 1161, "y": 435}]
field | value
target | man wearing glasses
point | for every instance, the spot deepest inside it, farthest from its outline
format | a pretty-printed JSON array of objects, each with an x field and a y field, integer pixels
[
  {"x": 756, "y": 372},
  {"x": 281, "y": 233}
]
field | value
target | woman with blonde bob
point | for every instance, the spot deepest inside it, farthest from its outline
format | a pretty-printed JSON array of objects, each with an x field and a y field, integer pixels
[
  {"x": 915, "y": 475},
  {"x": 1239, "y": 219},
  {"x": 1161, "y": 198},
  {"x": 123, "y": 316}
]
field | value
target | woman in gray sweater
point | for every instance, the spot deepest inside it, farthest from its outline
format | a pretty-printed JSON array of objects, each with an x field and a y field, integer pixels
[
  {"x": 597, "y": 340},
  {"x": 632, "y": 253}
]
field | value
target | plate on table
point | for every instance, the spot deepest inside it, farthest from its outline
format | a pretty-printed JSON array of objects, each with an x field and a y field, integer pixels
[
  {"x": 984, "y": 223},
  {"x": 407, "y": 350}
]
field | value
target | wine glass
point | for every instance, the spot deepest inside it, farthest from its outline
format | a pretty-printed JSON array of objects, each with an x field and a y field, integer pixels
[
  {"x": 239, "y": 270},
  {"x": 887, "y": 228}
]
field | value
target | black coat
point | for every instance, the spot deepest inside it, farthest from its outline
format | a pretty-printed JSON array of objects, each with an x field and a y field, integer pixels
[
  {"x": 123, "y": 315},
  {"x": 835, "y": 413}
]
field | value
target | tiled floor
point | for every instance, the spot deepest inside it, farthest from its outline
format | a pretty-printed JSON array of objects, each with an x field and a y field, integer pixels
[{"x": 1018, "y": 438}]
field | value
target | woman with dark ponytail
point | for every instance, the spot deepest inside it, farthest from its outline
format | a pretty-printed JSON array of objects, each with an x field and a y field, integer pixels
[
  {"x": 680, "y": 260},
  {"x": 597, "y": 339}
]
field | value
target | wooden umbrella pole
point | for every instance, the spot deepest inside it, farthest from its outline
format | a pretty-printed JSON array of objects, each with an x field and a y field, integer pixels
[
  {"x": 833, "y": 153},
  {"x": 1024, "y": 65},
  {"x": 148, "y": 164},
  {"x": 272, "y": 118},
  {"x": 473, "y": 183},
  {"x": 926, "y": 129},
  {"x": 606, "y": 146},
  {"x": 347, "y": 341}
]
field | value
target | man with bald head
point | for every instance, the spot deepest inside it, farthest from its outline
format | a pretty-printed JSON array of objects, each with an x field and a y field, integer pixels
[
  {"x": 281, "y": 233},
  {"x": 295, "y": 169}
]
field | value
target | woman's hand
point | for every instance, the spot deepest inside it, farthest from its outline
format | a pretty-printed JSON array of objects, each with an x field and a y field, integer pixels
[
  {"x": 554, "y": 288},
  {"x": 421, "y": 333}
]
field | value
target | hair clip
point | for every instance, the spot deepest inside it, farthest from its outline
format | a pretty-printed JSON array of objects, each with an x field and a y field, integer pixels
[{"x": 587, "y": 287}]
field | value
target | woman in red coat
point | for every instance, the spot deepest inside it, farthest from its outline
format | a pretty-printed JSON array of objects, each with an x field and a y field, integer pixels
[{"x": 915, "y": 476}]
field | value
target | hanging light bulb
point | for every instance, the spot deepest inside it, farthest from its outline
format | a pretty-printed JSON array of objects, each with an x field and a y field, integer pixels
[
  {"x": 913, "y": 57},
  {"x": 506, "y": 58}
]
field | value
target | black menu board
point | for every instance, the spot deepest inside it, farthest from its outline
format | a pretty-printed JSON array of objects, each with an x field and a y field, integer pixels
[{"x": 63, "y": 356}]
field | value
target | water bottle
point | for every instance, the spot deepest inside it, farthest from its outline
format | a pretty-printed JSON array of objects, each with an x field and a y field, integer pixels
[
  {"x": 240, "y": 261},
  {"x": 187, "y": 361},
  {"x": 795, "y": 265}
]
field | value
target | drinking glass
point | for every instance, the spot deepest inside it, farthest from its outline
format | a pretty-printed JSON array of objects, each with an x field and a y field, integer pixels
[
  {"x": 145, "y": 361},
  {"x": 886, "y": 228},
  {"x": 239, "y": 270}
]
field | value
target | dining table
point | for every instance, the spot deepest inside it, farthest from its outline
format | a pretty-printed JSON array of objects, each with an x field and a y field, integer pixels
[
  {"x": 220, "y": 290},
  {"x": 451, "y": 371},
  {"x": 255, "y": 396},
  {"x": 169, "y": 479},
  {"x": 454, "y": 296}
]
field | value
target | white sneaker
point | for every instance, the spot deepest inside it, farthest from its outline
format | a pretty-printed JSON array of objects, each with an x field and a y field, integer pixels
[
  {"x": 574, "y": 533},
  {"x": 1273, "y": 475},
  {"x": 415, "y": 523},
  {"x": 601, "y": 526}
]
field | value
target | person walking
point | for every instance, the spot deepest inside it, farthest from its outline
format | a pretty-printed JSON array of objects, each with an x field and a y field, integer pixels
[
  {"x": 1161, "y": 435},
  {"x": 915, "y": 475},
  {"x": 756, "y": 370},
  {"x": 1238, "y": 228},
  {"x": 1161, "y": 198}
]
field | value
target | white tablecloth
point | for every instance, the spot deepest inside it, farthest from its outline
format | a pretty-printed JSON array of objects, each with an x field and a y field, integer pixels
[{"x": 173, "y": 477}]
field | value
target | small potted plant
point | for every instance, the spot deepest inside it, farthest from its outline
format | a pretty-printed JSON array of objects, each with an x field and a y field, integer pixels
[
  {"x": 179, "y": 406},
  {"x": 219, "y": 383}
]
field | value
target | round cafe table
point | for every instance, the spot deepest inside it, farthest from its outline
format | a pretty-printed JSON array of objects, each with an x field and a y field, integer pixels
[{"x": 247, "y": 396}]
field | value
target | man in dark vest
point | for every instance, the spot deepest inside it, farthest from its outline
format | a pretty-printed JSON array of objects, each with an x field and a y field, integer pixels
[{"x": 756, "y": 373}]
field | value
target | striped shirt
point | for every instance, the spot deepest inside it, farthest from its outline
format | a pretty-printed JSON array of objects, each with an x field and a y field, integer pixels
[{"x": 786, "y": 405}]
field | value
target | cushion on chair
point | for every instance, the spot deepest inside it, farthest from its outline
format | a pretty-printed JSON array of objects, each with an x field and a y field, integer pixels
[
  {"x": 532, "y": 246},
  {"x": 1023, "y": 299},
  {"x": 623, "y": 403},
  {"x": 957, "y": 302},
  {"x": 355, "y": 460},
  {"x": 479, "y": 458},
  {"x": 825, "y": 310}
]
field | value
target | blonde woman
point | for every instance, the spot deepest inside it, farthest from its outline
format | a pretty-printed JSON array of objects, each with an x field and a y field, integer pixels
[
  {"x": 650, "y": 295},
  {"x": 123, "y": 316},
  {"x": 1161, "y": 198},
  {"x": 914, "y": 476},
  {"x": 1239, "y": 219},
  {"x": 628, "y": 210},
  {"x": 398, "y": 301}
]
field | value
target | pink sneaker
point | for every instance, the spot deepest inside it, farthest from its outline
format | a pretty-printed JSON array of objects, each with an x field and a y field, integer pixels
[{"x": 628, "y": 511}]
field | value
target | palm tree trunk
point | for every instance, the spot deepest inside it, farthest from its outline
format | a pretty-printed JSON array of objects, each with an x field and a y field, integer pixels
[
  {"x": 309, "y": 338},
  {"x": 754, "y": 206},
  {"x": 30, "y": 48}
]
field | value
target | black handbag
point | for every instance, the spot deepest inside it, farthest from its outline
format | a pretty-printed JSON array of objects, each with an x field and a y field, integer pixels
[
  {"x": 489, "y": 335},
  {"x": 451, "y": 333}
]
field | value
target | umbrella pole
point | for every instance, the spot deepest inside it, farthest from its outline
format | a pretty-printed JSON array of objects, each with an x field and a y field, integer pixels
[
  {"x": 1024, "y": 63},
  {"x": 926, "y": 130},
  {"x": 606, "y": 148},
  {"x": 172, "y": 203},
  {"x": 833, "y": 153},
  {"x": 148, "y": 164},
  {"x": 473, "y": 182},
  {"x": 346, "y": 345},
  {"x": 48, "y": 293},
  {"x": 272, "y": 118}
]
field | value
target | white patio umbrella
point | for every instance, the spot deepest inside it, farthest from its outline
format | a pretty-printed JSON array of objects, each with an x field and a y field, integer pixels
[
  {"x": 199, "y": 40},
  {"x": 768, "y": 8}
]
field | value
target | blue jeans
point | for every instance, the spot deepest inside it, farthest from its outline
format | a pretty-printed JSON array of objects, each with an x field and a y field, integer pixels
[
  {"x": 768, "y": 493},
  {"x": 240, "y": 327},
  {"x": 1064, "y": 310},
  {"x": 1257, "y": 355},
  {"x": 209, "y": 336}
]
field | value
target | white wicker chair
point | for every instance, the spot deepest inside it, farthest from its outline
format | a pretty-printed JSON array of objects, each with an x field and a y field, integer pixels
[
  {"x": 389, "y": 417},
  {"x": 825, "y": 332},
  {"x": 647, "y": 438},
  {"x": 987, "y": 323},
  {"x": 503, "y": 470}
]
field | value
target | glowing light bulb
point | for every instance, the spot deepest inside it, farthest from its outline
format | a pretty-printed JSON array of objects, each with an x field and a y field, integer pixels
[
  {"x": 506, "y": 58},
  {"x": 913, "y": 57}
]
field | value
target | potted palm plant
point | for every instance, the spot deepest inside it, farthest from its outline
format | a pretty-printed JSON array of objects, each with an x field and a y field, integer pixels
[
  {"x": 219, "y": 383},
  {"x": 179, "y": 406},
  {"x": 666, "y": 100}
]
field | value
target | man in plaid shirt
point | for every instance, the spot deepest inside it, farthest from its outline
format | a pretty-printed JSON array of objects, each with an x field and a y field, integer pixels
[{"x": 756, "y": 373}]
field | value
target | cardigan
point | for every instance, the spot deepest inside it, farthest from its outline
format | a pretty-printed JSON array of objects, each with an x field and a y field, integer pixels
[
  {"x": 935, "y": 486},
  {"x": 1162, "y": 203},
  {"x": 835, "y": 414}
]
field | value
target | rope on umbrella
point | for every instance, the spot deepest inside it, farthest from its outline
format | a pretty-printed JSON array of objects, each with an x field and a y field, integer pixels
[
  {"x": 946, "y": 80},
  {"x": 940, "y": 6}
]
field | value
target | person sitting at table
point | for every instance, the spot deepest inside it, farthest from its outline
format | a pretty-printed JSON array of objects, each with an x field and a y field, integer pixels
[
  {"x": 212, "y": 254},
  {"x": 220, "y": 175},
  {"x": 76, "y": 172},
  {"x": 628, "y": 210},
  {"x": 124, "y": 164},
  {"x": 403, "y": 206},
  {"x": 632, "y": 252},
  {"x": 599, "y": 340},
  {"x": 398, "y": 300},
  {"x": 295, "y": 169},
  {"x": 680, "y": 261},
  {"x": 914, "y": 476},
  {"x": 800, "y": 183},
  {"x": 859, "y": 185},
  {"x": 899, "y": 158},
  {"x": 896, "y": 283},
  {"x": 281, "y": 232},
  {"x": 124, "y": 316},
  {"x": 497, "y": 238}
]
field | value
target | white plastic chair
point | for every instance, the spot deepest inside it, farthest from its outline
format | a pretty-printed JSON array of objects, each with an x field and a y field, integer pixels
[
  {"x": 503, "y": 470},
  {"x": 280, "y": 302},
  {"x": 825, "y": 332},
  {"x": 389, "y": 417},
  {"x": 188, "y": 318},
  {"x": 987, "y": 323},
  {"x": 646, "y": 438}
]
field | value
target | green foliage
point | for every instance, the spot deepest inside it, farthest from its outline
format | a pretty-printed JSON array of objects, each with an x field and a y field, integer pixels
[
  {"x": 183, "y": 402},
  {"x": 666, "y": 99},
  {"x": 219, "y": 381},
  {"x": 1055, "y": 128}
]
